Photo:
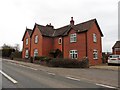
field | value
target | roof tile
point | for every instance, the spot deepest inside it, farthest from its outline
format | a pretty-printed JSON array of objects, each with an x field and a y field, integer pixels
[{"x": 51, "y": 32}]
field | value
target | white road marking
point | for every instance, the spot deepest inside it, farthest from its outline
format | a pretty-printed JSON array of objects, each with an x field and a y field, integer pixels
[
  {"x": 105, "y": 85},
  {"x": 72, "y": 78},
  {"x": 51, "y": 73},
  {"x": 8, "y": 77},
  {"x": 24, "y": 66}
]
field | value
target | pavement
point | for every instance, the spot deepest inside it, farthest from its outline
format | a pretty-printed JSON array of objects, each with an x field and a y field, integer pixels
[
  {"x": 101, "y": 66},
  {"x": 106, "y": 67},
  {"x": 100, "y": 74}
]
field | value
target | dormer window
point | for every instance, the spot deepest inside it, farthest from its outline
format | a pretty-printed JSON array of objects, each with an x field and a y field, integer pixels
[
  {"x": 36, "y": 39},
  {"x": 60, "y": 41},
  {"x": 26, "y": 41},
  {"x": 73, "y": 37},
  {"x": 94, "y": 38}
]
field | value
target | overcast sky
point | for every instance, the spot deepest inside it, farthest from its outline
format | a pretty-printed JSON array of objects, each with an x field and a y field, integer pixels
[{"x": 16, "y": 15}]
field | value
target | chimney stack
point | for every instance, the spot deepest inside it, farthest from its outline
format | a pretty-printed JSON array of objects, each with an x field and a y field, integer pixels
[
  {"x": 50, "y": 25},
  {"x": 72, "y": 21}
]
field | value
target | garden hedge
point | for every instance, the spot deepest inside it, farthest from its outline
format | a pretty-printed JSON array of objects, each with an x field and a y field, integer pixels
[{"x": 69, "y": 63}]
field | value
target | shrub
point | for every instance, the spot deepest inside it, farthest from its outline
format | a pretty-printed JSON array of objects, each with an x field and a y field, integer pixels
[
  {"x": 31, "y": 59},
  {"x": 16, "y": 55},
  {"x": 85, "y": 63},
  {"x": 69, "y": 63},
  {"x": 36, "y": 58},
  {"x": 42, "y": 58},
  {"x": 6, "y": 52}
]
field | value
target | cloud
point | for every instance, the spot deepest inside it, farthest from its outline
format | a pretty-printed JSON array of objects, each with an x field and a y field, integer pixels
[{"x": 17, "y": 14}]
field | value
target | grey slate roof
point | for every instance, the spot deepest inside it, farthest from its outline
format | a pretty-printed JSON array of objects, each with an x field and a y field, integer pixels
[
  {"x": 29, "y": 32},
  {"x": 63, "y": 31},
  {"x": 46, "y": 30}
]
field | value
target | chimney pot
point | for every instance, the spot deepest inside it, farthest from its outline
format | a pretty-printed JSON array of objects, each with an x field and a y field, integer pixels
[
  {"x": 50, "y": 25},
  {"x": 72, "y": 21}
]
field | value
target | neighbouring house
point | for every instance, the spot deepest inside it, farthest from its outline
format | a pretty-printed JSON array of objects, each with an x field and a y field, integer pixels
[
  {"x": 70, "y": 41},
  {"x": 105, "y": 56},
  {"x": 116, "y": 48}
]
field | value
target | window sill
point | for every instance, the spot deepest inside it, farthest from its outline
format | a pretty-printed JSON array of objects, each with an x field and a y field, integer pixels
[
  {"x": 95, "y": 58},
  {"x": 35, "y": 43},
  {"x": 59, "y": 43},
  {"x": 72, "y": 42}
]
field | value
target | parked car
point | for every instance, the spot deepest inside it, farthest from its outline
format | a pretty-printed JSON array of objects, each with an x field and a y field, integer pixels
[{"x": 114, "y": 59}]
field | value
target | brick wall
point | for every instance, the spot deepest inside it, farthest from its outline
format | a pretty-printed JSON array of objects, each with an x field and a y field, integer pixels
[
  {"x": 80, "y": 45},
  {"x": 91, "y": 45},
  {"x": 47, "y": 46},
  {"x": 24, "y": 44},
  {"x": 39, "y": 44}
]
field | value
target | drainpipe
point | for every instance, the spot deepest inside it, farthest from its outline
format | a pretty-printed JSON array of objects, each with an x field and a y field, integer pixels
[
  {"x": 86, "y": 45},
  {"x": 30, "y": 47},
  {"x": 63, "y": 46}
]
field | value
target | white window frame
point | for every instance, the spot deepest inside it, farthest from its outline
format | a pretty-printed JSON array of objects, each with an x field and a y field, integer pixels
[
  {"x": 95, "y": 54},
  {"x": 73, "y": 54},
  {"x": 60, "y": 41},
  {"x": 26, "y": 53},
  {"x": 94, "y": 38},
  {"x": 73, "y": 37},
  {"x": 36, "y": 38},
  {"x": 26, "y": 41},
  {"x": 35, "y": 52}
]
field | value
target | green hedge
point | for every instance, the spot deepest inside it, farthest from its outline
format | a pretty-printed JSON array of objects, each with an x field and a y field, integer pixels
[
  {"x": 42, "y": 58},
  {"x": 60, "y": 62},
  {"x": 16, "y": 55},
  {"x": 6, "y": 52},
  {"x": 69, "y": 63}
]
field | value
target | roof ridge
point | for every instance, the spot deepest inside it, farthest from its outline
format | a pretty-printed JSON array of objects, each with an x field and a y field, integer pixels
[
  {"x": 61, "y": 27},
  {"x": 29, "y": 29},
  {"x": 40, "y": 25},
  {"x": 86, "y": 21},
  {"x": 77, "y": 24}
]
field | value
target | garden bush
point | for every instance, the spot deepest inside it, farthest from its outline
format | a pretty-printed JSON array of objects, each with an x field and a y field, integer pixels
[
  {"x": 69, "y": 63},
  {"x": 42, "y": 58},
  {"x": 6, "y": 52},
  {"x": 16, "y": 54}
]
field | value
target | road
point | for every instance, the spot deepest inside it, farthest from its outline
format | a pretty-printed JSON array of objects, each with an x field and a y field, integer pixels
[{"x": 29, "y": 77}]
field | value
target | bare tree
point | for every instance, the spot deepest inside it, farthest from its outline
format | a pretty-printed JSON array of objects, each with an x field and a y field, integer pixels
[{"x": 17, "y": 47}]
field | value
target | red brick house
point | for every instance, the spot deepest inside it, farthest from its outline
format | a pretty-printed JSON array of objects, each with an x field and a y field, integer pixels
[
  {"x": 116, "y": 48},
  {"x": 72, "y": 41},
  {"x": 26, "y": 43}
]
